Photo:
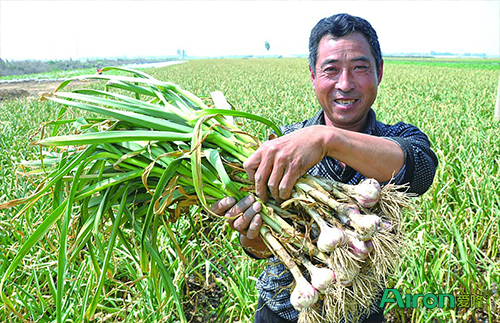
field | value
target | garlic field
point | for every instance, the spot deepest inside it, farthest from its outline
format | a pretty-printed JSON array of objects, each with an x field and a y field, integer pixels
[{"x": 202, "y": 275}]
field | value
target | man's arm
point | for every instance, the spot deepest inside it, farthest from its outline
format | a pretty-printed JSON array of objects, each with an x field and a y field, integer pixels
[
  {"x": 420, "y": 160},
  {"x": 279, "y": 163},
  {"x": 381, "y": 158}
]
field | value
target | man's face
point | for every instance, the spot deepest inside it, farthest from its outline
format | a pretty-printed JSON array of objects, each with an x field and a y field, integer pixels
[{"x": 346, "y": 80}]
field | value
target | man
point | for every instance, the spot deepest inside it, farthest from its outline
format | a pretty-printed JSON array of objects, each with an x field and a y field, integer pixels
[{"x": 343, "y": 141}]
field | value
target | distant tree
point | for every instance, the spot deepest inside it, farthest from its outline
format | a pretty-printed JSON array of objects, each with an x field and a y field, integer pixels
[
  {"x": 267, "y": 45},
  {"x": 181, "y": 53}
]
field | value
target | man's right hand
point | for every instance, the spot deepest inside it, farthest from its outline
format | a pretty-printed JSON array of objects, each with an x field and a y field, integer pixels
[{"x": 244, "y": 217}]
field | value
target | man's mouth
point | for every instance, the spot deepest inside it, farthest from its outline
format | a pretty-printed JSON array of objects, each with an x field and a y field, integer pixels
[{"x": 344, "y": 101}]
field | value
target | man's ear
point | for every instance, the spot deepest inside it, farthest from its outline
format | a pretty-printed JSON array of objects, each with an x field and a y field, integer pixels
[
  {"x": 380, "y": 71},
  {"x": 313, "y": 77}
]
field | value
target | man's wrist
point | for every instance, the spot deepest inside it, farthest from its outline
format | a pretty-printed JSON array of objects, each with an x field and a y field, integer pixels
[
  {"x": 253, "y": 252},
  {"x": 327, "y": 139}
]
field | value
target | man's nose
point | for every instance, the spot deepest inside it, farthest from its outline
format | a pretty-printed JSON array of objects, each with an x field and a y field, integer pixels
[{"x": 345, "y": 82}]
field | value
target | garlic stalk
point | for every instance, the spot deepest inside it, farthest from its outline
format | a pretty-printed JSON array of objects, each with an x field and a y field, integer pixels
[
  {"x": 365, "y": 224},
  {"x": 367, "y": 193},
  {"x": 304, "y": 295},
  {"x": 278, "y": 224}
]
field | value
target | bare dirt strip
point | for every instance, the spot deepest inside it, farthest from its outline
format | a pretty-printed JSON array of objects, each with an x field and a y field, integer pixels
[{"x": 30, "y": 88}]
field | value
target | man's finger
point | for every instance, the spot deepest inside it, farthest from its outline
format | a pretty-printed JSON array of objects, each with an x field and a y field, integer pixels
[
  {"x": 274, "y": 182},
  {"x": 243, "y": 222},
  {"x": 240, "y": 207},
  {"x": 254, "y": 227},
  {"x": 223, "y": 205},
  {"x": 251, "y": 165},
  {"x": 261, "y": 178},
  {"x": 287, "y": 182}
]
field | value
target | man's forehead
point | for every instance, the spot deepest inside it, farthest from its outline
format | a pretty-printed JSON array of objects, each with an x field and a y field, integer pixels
[
  {"x": 355, "y": 35},
  {"x": 355, "y": 44}
]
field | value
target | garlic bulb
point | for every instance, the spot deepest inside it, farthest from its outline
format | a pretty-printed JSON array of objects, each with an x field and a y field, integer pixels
[
  {"x": 304, "y": 295},
  {"x": 367, "y": 192},
  {"x": 330, "y": 238},
  {"x": 359, "y": 248},
  {"x": 321, "y": 277},
  {"x": 365, "y": 224}
]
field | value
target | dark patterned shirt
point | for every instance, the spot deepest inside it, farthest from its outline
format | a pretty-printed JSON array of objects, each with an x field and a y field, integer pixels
[{"x": 419, "y": 169}]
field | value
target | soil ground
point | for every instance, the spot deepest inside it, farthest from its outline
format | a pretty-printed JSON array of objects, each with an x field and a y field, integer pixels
[{"x": 31, "y": 88}]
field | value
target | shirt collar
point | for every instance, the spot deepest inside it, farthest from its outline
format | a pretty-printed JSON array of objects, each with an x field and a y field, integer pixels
[{"x": 371, "y": 121}]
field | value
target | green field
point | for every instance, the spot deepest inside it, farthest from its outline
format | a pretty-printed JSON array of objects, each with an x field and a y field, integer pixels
[
  {"x": 452, "y": 230},
  {"x": 472, "y": 63}
]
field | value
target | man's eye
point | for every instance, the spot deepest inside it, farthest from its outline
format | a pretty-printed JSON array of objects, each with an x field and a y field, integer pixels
[
  {"x": 361, "y": 67},
  {"x": 330, "y": 69}
]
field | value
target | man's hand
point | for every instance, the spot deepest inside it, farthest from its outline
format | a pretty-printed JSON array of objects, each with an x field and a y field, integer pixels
[
  {"x": 280, "y": 162},
  {"x": 245, "y": 218}
]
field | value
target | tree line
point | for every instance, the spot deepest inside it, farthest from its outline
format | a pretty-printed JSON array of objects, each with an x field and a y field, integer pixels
[{"x": 23, "y": 67}]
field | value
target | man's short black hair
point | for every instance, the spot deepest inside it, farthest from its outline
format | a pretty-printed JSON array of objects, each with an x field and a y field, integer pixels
[{"x": 341, "y": 25}]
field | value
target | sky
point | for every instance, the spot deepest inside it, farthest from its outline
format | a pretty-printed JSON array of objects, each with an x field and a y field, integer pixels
[{"x": 95, "y": 29}]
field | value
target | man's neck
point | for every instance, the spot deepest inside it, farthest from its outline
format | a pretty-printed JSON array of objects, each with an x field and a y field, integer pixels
[{"x": 357, "y": 127}]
